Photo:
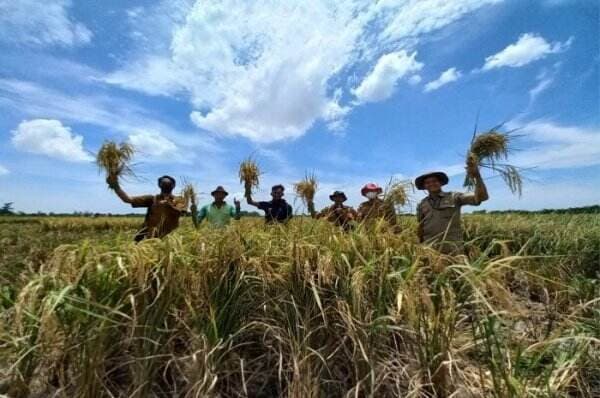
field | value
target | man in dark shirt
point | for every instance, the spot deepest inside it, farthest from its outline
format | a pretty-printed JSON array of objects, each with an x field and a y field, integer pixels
[
  {"x": 276, "y": 210},
  {"x": 163, "y": 211}
]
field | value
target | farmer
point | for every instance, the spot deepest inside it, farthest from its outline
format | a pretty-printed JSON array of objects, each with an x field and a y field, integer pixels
[
  {"x": 163, "y": 212},
  {"x": 218, "y": 213},
  {"x": 276, "y": 210},
  {"x": 338, "y": 213},
  {"x": 439, "y": 213},
  {"x": 376, "y": 208}
]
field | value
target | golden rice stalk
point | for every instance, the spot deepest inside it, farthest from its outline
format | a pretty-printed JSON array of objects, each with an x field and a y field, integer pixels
[
  {"x": 114, "y": 159},
  {"x": 491, "y": 146},
  {"x": 487, "y": 150},
  {"x": 306, "y": 188},
  {"x": 189, "y": 194},
  {"x": 398, "y": 192},
  {"x": 249, "y": 173}
]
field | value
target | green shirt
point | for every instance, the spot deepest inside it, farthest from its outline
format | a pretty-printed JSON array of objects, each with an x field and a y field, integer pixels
[{"x": 217, "y": 216}]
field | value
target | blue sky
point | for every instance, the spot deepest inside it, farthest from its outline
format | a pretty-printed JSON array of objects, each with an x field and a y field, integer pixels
[{"x": 354, "y": 91}]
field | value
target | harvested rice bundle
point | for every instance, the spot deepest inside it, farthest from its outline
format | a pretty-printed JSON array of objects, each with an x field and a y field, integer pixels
[
  {"x": 397, "y": 192},
  {"x": 115, "y": 159},
  {"x": 187, "y": 197},
  {"x": 189, "y": 194},
  {"x": 488, "y": 150},
  {"x": 249, "y": 173},
  {"x": 306, "y": 188}
]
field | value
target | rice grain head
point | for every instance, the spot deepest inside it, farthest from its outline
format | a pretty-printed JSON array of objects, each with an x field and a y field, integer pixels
[
  {"x": 115, "y": 159},
  {"x": 489, "y": 148},
  {"x": 398, "y": 192},
  {"x": 306, "y": 188},
  {"x": 189, "y": 194},
  {"x": 249, "y": 173}
]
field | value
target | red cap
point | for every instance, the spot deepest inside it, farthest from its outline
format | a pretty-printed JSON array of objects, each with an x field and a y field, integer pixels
[{"x": 371, "y": 187}]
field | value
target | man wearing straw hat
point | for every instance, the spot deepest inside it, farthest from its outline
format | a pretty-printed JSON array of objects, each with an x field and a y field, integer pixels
[
  {"x": 163, "y": 212},
  {"x": 276, "y": 210},
  {"x": 439, "y": 213},
  {"x": 218, "y": 213},
  {"x": 375, "y": 208},
  {"x": 339, "y": 214}
]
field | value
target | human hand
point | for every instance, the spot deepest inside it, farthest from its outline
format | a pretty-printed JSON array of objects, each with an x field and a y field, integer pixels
[
  {"x": 472, "y": 167},
  {"x": 112, "y": 181}
]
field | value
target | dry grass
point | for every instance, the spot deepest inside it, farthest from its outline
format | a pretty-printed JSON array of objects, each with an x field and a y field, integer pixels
[
  {"x": 189, "y": 194},
  {"x": 304, "y": 311},
  {"x": 306, "y": 188},
  {"x": 115, "y": 159},
  {"x": 489, "y": 150},
  {"x": 399, "y": 192},
  {"x": 249, "y": 174}
]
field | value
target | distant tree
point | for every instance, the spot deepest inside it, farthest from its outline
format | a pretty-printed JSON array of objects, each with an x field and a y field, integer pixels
[{"x": 7, "y": 209}]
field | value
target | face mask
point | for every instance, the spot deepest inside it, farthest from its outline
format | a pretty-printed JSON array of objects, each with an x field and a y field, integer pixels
[{"x": 371, "y": 195}]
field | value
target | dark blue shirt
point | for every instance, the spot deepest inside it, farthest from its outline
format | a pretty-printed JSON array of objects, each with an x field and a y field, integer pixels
[{"x": 276, "y": 211}]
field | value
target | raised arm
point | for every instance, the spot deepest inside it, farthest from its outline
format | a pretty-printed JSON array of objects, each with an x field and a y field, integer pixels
[
  {"x": 198, "y": 217},
  {"x": 250, "y": 201},
  {"x": 311, "y": 209},
  {"x": 236, "y": 212},
  {"x": 113, "y": 183},
  {"x": 481, "y": 193}
]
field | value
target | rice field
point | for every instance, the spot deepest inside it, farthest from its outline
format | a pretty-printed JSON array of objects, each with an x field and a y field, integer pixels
[{"x": 299, "y": 311}]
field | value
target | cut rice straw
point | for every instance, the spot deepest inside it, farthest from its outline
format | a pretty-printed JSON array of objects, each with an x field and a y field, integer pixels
[
  {"x": 249, "y": 173},
  {"x": 115, "y": 159},
  {"x": 306, "y": 188},
  {"x": 398, "y": 192},
  {"x": 189, "y": 194},
  {"x": 490, "y": 148}
]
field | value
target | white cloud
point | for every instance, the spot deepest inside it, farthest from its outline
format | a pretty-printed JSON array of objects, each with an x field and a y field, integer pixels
[
  {"x": 35, "y": 23},
  {"x": 49, "y": 137},
  {"x": 381, "y": 82},
  {"x": 112, "y": 113},
  {"x": 407, "y": 19},
  {"x": 544, "y": 80},
  {"x": 269, "y": 73},
  {"x": 414, "y": 80},
  {"x": 448, "y": 76},
  {"x": 152, "y": 144},
  {"x": 3, "y": 170},
  {"x": 557, "y": 146},
  {"x": 529, "y": 48}
]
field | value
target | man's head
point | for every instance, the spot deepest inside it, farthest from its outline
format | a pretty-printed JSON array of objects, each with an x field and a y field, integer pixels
[
  {"x": 338, "y": 197},
  {"x": 166, "y": 184},
  {"x": 277, "y": 192},
  {"x": 219, "y": 194},
  {"x": 371, "y": 191},
  {"x": 432, "y": 182}
]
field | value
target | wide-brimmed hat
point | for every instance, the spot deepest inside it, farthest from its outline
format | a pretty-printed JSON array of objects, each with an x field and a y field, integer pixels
[
  {"x": 371, "y": 187},
  {"x": 219, "y": 189},
  {"x": 440, "y": 175},
  {"x": 336, "y": 194}
]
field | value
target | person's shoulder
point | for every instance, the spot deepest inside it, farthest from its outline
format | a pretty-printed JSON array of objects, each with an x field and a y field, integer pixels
[{"x": 422, "y": 201}]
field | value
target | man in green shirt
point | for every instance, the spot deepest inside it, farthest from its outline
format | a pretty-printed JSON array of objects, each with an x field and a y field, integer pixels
[{"x": 218, "y": 213}]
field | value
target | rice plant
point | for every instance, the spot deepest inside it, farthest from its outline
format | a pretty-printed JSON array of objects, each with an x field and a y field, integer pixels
[{"x": 299, "y": 311}]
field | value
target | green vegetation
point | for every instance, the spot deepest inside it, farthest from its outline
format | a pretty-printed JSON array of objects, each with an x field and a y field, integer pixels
[{"x": 299, "y": 311}]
